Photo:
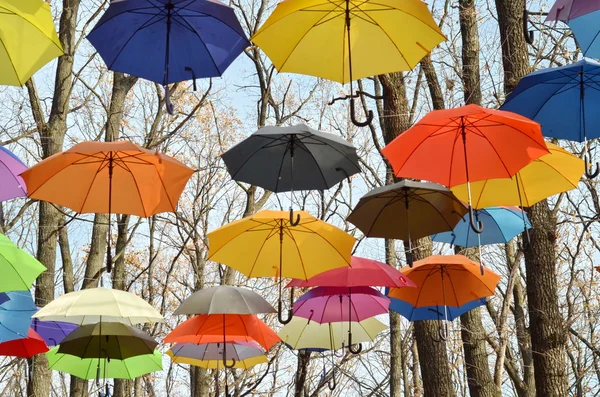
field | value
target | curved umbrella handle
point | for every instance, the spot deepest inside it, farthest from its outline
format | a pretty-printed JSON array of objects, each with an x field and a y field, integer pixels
[
  {"x": 410, "y": 258},
  {"x": 340, "y": 355},
  {"x": 442, "y": 332},
  {"x": 280, "y": 313},
  {"x": 353, "y": 116},
  {"x": 168, "y": 104},
  {"x": 229, "y": 365},
  {"x": 292, "y": 221},
  {"x": 476, "y": 224},
  {"x": 588, "y": 172},
  {"x": 351, "y": 348},
  {"x": 332, "y": 383},
  {"x": 528, "y": 33},
  {"x": 188, "y": 69}
]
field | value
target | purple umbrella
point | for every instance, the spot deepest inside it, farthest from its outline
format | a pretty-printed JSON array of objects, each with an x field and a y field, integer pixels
[
  {"x": 12, "y": 184},
  {"x": 336, "y": 304},
  {"x": 53, "y": 332}
]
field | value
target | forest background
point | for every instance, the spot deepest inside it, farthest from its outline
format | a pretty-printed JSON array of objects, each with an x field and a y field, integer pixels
[{"x": 536, "y": 336}]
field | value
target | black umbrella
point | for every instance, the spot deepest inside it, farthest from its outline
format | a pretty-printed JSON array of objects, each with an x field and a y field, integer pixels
[{"x": 269, "y": 157}]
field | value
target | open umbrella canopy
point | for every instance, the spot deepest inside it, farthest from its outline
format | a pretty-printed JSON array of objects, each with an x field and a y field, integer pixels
[
  {"x": 214, "y": 351},
  {"x": 582, "y": 17},
  {"x": 26, "y": 347},
  {"x": 93, "y": 305},
  {"x": 446, "y": 280},
  {"x": 167, "y": 41},
  {"x": 502, "y": 225},
  {"x": 407, "y": 210},
  {"x": 281, "y": 159},
  {"x": 223, "y": 328},
  {"x": 246, "y": 363},
  {"x": 10, "y": 167},
  {"x": 87, "y": 368},
  {"x": 335, "y": 304},
  {"x": 15, "y": 315},
  {"x": 107, "y": 340},
  {"x": 362, "y": 272},
  {"x": 313, "y": 37},
  {"x": 551, "y": 174},
  {"x": 449, "y": 313},
  {"x": 53, "y": 332},
  {"x": 224, "y": 299},
  {"x": 26, "y": 24},
  {"x": 302, "y": 334},
  {"x": 112, "y": 177},
  {"x": 466, "y": 144},
  {"x": 18, "y": 268},
  {"x": 272, "y": 247}
]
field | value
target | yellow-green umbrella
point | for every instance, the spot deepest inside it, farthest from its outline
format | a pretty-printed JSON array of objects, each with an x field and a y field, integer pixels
[
  {"x": 28, "y": 37},
  {"x": 344, "y": 40},
  {"x": 18, "y": 269}
]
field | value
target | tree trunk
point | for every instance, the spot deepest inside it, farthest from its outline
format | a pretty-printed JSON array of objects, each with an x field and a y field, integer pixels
[
  {"x": 548, "y": 335},
  {"x": 301, "y": 372},
  {"x": 470, "y": 51}
]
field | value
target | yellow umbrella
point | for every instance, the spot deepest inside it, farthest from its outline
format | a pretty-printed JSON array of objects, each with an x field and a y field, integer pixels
[
  {"x": 344, "y": 40},
  {"x": 550, "y": 174},
  {"x": 266, "y": 245},
  {"x": 218, "y": 364},
  {"x": 28, "y": 37}
]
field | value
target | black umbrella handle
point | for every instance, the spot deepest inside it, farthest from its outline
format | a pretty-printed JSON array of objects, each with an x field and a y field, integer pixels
[
  {"x": 588, "y": 172},
  {"x": 293, "y": 222},
  {"x": 332, "y": 383},
  {"x": 354, "y": 119},
  {"x": 280, "y": 313},
  {"x": 351, "y": 348},
  {"x": 188, "y": 69},
  {"x": 233, "y": 361},
  {"x": 476, "y": 224}
]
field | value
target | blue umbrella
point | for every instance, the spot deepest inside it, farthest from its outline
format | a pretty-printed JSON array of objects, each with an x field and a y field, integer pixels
[
  {"x": 502, "y": 225},
  {"x": 432, "y": 312},
  {"x": 167, "y": 41},
  {"x": 15, "y": 315},
  {"x": 563, "y": 100}
]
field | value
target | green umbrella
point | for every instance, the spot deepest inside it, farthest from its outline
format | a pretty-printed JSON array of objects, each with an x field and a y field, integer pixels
[
  {"x": 19, "y": 269},
  {"x": 107, "y": 340},
  {"x": 87, "y": 368}
]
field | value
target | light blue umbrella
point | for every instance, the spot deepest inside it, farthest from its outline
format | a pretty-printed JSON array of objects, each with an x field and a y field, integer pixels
[
  {"x": 449, "y": 313},
  {"x": 502, "y": 225},
  {"x": 15, "y": 315}
]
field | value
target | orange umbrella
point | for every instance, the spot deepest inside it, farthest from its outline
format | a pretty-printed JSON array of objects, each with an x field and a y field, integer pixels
[
  {"x": 109, "y": 177},
  {"x": 446, "y": 280},
  {"x": 464, "y": 145},
  {"x": 217, "y": 328}
]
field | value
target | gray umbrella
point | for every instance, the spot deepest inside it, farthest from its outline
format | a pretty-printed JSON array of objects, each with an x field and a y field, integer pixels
[
  {"x": 214, "y": 351},
  {"x": 407, "y": 210},
  {"x": 284, "y": 159},
  {"x": 225, "y": 299}
]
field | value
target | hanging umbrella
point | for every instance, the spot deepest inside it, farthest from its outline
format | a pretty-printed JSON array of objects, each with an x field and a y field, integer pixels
[
  {"x": 15, "y": 315},
  {"x": 246, "y": 363},
  {"x": 407, "y": 210},
  {"x": 217, "y": 328},
  {"x": 551, "y": 174},
  {"x": 53, "y": 332},
  {"x": 268, "y": 240},
  {"x": 112, "y": 177},
  {"x": 362, "y": 272},
  {"x": 26, "y": 347},
  {"x": 495, "y": 144},
  {"x": 167, "y": 41},
  {"x": 11, "y": 166},
  {"x": 93, "y": 305},
  {"x": 302, "y": 334},
  {"x": 558, "y": 98},
  {"x": 86, "y": 368},
  {"x": 503, "y": 224},
  {"x": 237, "y": 351},
  {"x": 437, "y": 312},
  {"x": 582, "y": 18},
  {"x": 345, "y": 40},
  {"x": 29, "y": 39},
  {"x": 224, "y": 299},
  {"x": 107, "y": 340},
  {"x": 19, "y": 269},
  {"x": 446, "y": 280},
  {"x": 269, "y": 157}
]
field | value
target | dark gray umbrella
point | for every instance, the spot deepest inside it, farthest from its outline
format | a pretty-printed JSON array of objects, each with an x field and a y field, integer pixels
[
  {"x": 407, "y": 210},
  {"x": 284, "y": 159},
  {"x": 225, "y": 299}
]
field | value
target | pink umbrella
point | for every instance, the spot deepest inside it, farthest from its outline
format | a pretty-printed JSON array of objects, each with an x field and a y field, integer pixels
[{"x": 362, "y": 272}]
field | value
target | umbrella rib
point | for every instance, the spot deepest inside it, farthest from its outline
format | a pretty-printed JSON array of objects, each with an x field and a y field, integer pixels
[
  {"x": 248, "y": 158},
  {"x": 202, "y": 41},
  {"x": 335, "y": 148},
  {"x": 258, "y": 254},
  {"x": 299, "y": 256},
  {"x": 137, "y": 187},
  {"x": 287, "y": 148},
  {"x": 90, "y": 187},
  {"x": 430, "y": 272},
  {"x": 546, "y": 101}
]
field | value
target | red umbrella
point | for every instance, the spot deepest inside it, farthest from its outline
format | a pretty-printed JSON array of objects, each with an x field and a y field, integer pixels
[
  {"x": 468, "y": 144},
  {"x": 362, "y": 272},
  {"x": 25, "y": 347}
]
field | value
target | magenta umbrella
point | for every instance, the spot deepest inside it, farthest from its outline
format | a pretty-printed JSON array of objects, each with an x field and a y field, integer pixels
[
  {"x": 11, "y": 166},
  {"x": 362, "y": 272}
]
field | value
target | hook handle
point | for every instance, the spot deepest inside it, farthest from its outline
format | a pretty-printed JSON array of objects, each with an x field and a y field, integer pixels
[
  {"x": 108, "y": 259},
  {"x": 168, "y": 104},
  {"x": 410, "y": 258},
  {"x": 528, "y": 33},
  {"x": 476, "y": 224},
  {"x": 280, "y": 313},
  {"x": 588, "y": 172},
  {"x": 351, "y": 348},
  {"x": 229, "y": 365},
  {"x": 188, "y": 69},
  {"x": 442, "y": 332},
  {"x": 332, "y": 383},
  {"x": 339, "y": 355},
  {"x": 353, "y": 116},
  {"x": 292, "y": 221}
]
